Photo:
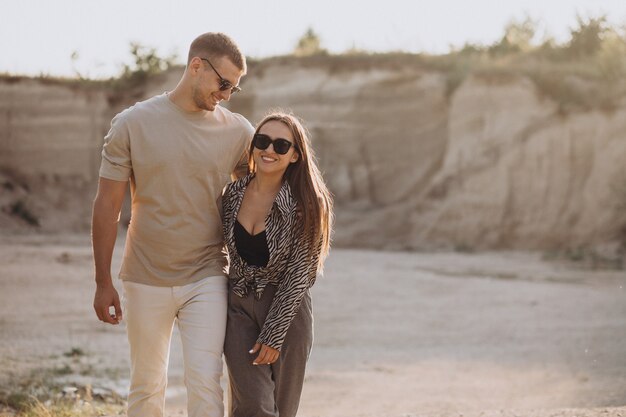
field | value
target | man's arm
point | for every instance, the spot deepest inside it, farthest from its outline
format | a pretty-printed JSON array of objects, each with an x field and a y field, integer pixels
[
  {"x": 106, "y": 214},
  {"x": 242, "y": 167}
]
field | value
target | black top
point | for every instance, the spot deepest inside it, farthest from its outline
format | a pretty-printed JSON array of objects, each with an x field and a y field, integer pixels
[{"x": 252, "y": 248}]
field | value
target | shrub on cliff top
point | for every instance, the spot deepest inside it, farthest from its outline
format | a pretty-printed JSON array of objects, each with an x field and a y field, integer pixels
[{"x": 587, "y": 71}]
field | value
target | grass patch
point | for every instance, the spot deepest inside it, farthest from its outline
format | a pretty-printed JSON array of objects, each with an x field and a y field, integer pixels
[
  {"x": 18, "y": 401},
  {"x": 54, "y": 401},
  {"x": 50, "y": 392},
  {"x": 67, "y": 408}
]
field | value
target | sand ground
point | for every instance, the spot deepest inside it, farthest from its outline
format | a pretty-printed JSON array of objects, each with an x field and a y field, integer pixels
[{"x": 396, "y": 334}]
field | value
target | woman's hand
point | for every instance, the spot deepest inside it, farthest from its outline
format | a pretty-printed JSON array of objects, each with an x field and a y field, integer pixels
[{"x": 267, "y": 355}]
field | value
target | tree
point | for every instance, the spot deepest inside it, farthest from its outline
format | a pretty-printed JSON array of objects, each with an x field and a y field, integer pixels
[
  {"x": 146, "y": 62},
  {"x": 309, "y": 44},
  {"x": 518, "y": 36}
]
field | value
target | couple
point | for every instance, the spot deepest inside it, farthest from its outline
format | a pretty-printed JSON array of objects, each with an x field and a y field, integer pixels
[{"x": 179, "y": 150}]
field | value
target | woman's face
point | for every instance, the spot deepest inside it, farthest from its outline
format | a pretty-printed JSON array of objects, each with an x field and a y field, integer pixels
[{"x": 268, "y": 160}]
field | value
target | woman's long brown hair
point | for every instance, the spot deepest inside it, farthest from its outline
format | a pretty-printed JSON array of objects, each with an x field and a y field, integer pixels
[{"x": 306, "y": 183}]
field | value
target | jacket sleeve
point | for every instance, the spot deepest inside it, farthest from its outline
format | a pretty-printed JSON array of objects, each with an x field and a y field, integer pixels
[
  {"x": 226, "y": 212},
  {"x": 299, "y": 277}
]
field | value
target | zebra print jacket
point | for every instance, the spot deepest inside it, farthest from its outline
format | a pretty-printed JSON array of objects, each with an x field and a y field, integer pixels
[{"x": 292, "y": 265}]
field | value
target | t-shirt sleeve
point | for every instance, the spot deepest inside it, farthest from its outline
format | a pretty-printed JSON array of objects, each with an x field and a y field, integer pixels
[{"x": 116, "y": 161}]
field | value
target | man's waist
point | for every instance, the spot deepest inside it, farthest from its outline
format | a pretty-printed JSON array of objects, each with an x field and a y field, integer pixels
[{"x": 158, "y": 275}]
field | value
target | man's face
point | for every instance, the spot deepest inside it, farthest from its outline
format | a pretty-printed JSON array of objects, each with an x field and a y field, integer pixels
[{"x": 206, "y": 90}]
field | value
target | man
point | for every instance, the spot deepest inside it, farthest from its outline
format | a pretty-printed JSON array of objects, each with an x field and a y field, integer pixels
[{"x": 178, "y": 150}]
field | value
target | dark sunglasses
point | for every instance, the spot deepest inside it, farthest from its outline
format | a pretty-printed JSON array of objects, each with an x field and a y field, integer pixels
[
  {"x": 224, "y": 83},
  {"x": 262, "y": 142}
]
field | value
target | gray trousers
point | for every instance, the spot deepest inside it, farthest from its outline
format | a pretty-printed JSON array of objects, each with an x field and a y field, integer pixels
[{"x": 265, "y": 390}]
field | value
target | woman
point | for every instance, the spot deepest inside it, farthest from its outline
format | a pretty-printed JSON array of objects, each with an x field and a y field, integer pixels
[{"x": 277, "y": 223}]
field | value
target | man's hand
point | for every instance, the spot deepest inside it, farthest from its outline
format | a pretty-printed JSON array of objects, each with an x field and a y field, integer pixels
[
  {"x": 106, "y": 296},
  {"x": 106, "y": 213},
  {"x": 267, "y": 355}
]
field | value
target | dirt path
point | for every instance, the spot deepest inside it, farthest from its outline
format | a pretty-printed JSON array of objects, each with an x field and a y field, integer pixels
[{"x": 397, "y": 334}]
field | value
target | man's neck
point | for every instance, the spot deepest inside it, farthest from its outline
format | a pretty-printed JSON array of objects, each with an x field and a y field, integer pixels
[{"x": 183, "y": 100}]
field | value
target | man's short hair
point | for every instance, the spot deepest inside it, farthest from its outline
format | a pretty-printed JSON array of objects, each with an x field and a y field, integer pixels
[{"x": 214, "y": 45}]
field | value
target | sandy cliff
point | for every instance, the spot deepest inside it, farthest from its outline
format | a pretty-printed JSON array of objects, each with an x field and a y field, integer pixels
[
  {"x": 492, "y": 164},
  {"x": 518, "y": 173},
  {"x": 51, "y": 129},
  {"x": 50, "y": 136}
]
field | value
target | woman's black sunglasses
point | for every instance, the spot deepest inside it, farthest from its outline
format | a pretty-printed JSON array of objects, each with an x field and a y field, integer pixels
[{"x": 281, "y": 146}]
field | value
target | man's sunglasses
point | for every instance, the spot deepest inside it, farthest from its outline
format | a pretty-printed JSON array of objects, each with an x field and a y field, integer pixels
[
  {"x": 262, "y": 142},
  {"x": 224, "y": 83}
]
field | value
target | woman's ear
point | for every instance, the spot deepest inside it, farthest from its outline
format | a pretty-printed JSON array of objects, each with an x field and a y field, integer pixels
[{"x": 294, "y": 157}]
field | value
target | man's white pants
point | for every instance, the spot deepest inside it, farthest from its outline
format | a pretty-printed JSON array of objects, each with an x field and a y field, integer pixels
[{"x": 150, "y": 313}]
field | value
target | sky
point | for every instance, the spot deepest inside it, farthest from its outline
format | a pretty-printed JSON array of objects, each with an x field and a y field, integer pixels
[{"x": 39, "y": 37}]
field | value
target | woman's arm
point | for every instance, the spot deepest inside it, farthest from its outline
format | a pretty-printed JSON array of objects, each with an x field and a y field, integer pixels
[{"x": 299, "y": 277}]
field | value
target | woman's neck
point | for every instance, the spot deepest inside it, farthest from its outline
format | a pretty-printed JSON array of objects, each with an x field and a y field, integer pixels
[{"x": 264, "y": 183}]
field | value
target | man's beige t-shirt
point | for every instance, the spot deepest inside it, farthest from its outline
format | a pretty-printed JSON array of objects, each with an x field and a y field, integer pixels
[{"x": 178, "y": 164}]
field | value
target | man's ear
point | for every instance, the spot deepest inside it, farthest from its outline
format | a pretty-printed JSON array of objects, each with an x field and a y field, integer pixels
[{"x": 195, "y": 64}]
